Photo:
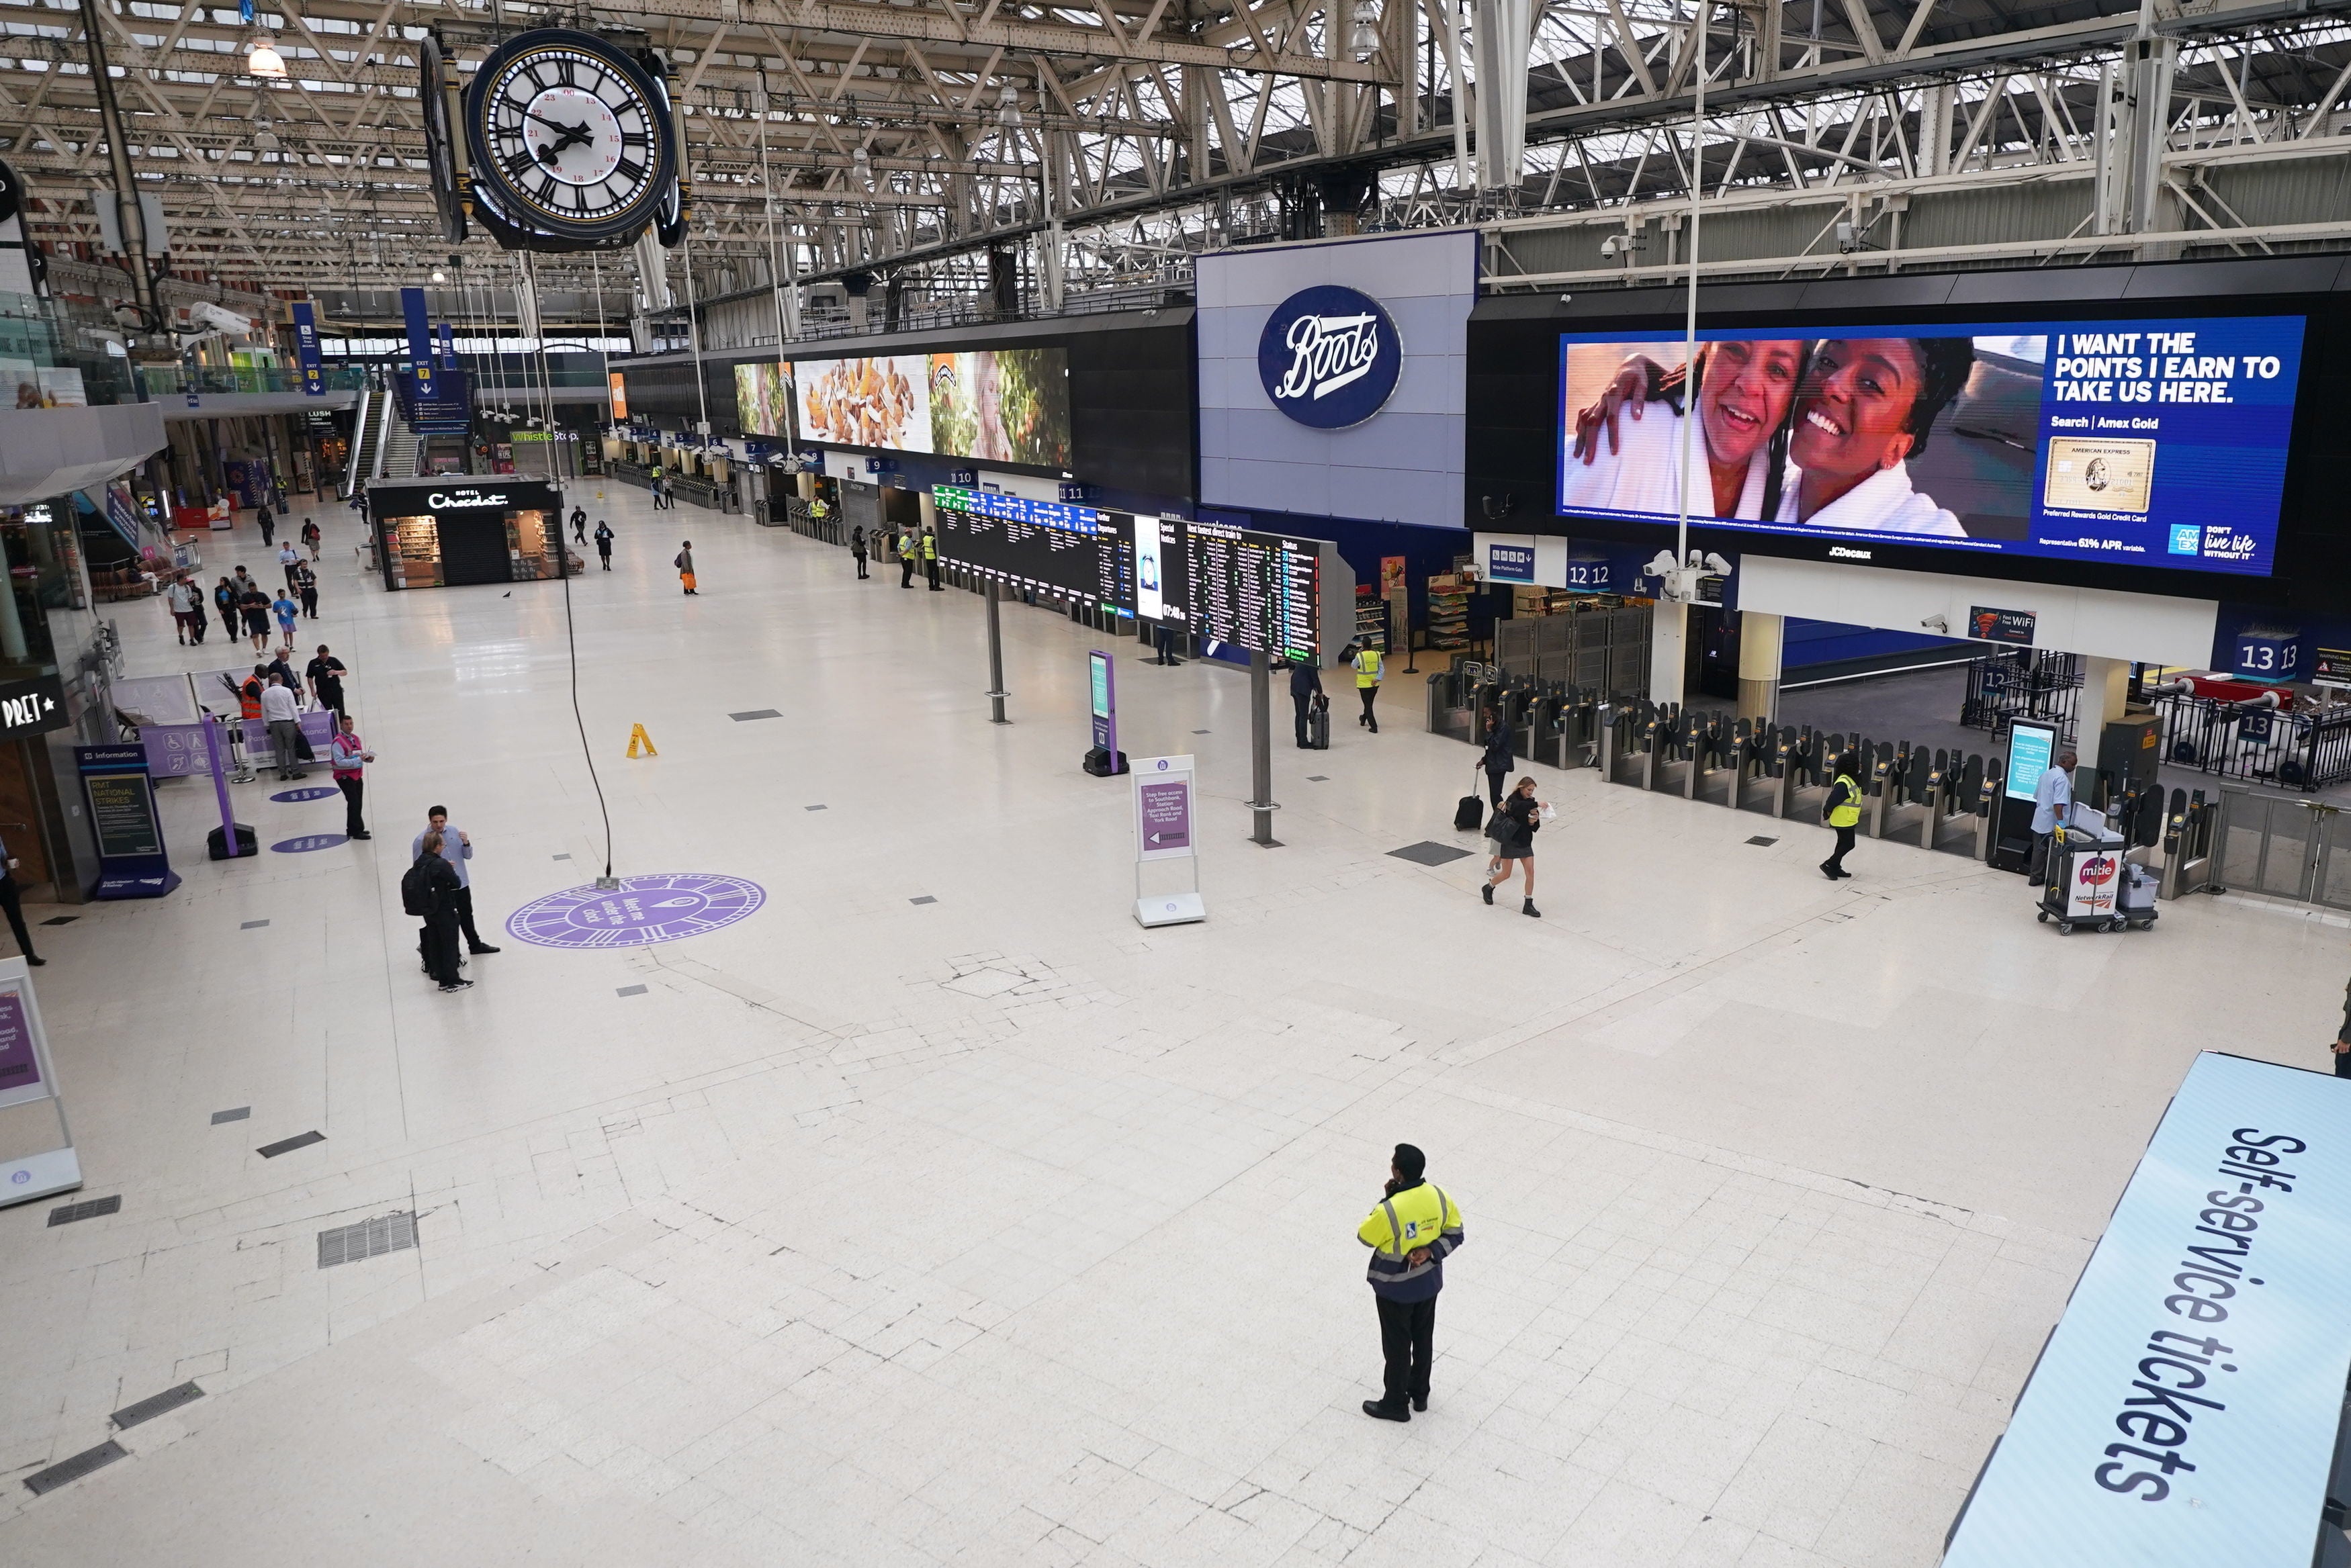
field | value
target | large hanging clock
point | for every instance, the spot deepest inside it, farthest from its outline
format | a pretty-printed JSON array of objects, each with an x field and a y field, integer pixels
[
  {"x": 433, "y": 96},
  {"x": 569, "y": 139}
]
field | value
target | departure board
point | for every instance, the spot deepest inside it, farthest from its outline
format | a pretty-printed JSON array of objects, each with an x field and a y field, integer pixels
[
  {"x": 1077, "y": 552},
  {"x": 1256, "y": 590}
]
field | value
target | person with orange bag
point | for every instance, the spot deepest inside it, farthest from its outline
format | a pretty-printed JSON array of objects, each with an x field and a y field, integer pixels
[{"x": 684, "y": 565}]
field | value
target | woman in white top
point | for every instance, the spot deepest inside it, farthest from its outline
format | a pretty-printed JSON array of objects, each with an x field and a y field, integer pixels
[
  {"x": 1864, "y": 409},
  {"x": 1745, "y": 388}
]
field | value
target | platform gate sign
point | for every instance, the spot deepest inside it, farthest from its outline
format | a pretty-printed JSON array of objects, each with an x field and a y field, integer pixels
[{"x": 1164, "y": 831}]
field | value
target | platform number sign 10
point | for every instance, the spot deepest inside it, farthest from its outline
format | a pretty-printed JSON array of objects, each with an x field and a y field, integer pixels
[{"x": 2268, "y": 656}]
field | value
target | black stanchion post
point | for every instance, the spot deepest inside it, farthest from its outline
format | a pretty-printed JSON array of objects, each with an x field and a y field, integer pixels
[
  {"x": 995, "y": 692},
  {"x": 1261, "y": 750}
]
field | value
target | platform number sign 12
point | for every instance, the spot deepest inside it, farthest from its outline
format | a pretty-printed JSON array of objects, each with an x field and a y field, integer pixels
[{"x": 2268, "y": 656}]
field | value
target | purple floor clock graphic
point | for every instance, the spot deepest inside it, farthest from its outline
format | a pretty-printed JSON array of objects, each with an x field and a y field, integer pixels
[{"x": 641, "y": 911}]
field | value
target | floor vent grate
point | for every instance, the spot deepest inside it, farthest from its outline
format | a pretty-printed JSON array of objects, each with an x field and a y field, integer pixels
[
  {"x": 68, "y": 1213},
  {"x": 74, "y": 1469},
  {"x": 162, "y": 1404},
  {"x": 368, "y": 1239}
]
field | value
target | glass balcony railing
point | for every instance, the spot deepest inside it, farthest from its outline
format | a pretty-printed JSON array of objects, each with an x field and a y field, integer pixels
[{"x": 171, "y": 380}]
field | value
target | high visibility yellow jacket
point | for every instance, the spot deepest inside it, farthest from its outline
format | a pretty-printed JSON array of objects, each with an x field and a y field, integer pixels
[
  {"x": 1367, "y": 667},
  {"x": 905, "y": 546},
  {"x": 1419, "y": 1217},
  {"x": 930, "y": 546},
  {"x": 1846, "y": 812}
]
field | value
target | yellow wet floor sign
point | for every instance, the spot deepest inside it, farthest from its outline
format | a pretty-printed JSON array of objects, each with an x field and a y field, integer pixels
[{"x": 637, "y": 737}]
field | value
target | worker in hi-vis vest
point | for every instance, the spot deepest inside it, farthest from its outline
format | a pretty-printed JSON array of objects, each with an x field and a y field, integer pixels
[
  {"x": 907, "y": 552},
  {"x": 1368, "y": 675},
  {"x": 1411, "y": 1231},
  {"x": 931, "y": 558},
  {"x": 1842, "y": 811}
]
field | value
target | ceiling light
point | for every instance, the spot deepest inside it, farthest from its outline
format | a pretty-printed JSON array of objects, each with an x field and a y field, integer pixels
[
  {"x": 437, "y": 278},
  {"x": 262, "y": 59}
]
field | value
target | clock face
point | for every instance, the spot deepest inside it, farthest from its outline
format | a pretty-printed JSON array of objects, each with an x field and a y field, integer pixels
[{"x": 569, "y": 131}]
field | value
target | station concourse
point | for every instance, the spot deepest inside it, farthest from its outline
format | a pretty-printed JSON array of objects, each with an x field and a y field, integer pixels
[{"x": 935, "y": 1212}]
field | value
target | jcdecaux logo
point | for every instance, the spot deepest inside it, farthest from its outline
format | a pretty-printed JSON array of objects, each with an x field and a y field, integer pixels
[{"x": 1328, "y": 357}]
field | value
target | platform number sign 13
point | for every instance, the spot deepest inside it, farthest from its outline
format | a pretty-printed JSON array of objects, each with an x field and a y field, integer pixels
[{"x": 2268, "y": 656}]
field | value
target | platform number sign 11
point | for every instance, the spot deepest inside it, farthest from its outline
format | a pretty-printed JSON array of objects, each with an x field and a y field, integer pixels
[{"x": 2268, "y": 656}]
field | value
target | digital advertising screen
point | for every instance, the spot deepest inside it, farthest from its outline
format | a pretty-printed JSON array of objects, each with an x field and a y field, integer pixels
[
  {"x": 763, "y": 399},
  {"x": 1001, "y": 405},
  {"x": 2151, "y": 442}
]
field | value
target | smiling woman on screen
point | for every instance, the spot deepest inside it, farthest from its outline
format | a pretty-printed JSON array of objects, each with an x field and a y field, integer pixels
[
  {"x": 1863, "y": 411},
  {"x": 1626, "y": 463}
]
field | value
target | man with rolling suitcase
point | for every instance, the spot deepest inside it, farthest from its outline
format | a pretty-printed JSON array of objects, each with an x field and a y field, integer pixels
[{"x": 1305, "y": 686}]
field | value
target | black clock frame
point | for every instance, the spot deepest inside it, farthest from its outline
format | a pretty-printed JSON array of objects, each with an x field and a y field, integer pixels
[{"x": 505, "y": 212}]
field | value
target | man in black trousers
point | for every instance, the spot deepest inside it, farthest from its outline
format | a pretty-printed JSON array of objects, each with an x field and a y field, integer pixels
[
  {"x": 1410, "y": 1233},
  {"x": 10, "y": 903},
  {"x": 1305, "y": 685}
]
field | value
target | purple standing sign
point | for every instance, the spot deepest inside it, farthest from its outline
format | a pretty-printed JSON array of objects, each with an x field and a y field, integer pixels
[
  {"x": 20, "y": 1068},
  {"x": 1167, "y": 809},
  {"x": 641, "y": 911}
]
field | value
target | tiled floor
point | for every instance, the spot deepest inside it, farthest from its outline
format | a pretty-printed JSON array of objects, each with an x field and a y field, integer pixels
[{"x": 995, "y": 1230}]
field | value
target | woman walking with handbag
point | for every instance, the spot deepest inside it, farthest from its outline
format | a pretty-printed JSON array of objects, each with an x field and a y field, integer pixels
[{"x": 1513, "y": 828}]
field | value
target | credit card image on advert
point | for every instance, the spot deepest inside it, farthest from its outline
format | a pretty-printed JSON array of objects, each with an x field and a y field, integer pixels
[{"x": 2100, "y": 475}]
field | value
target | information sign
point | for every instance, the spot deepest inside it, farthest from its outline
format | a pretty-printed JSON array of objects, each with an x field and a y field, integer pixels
[
  {"x": 122, "y": 798},
  {"x": 2185, "y": 1410},
  {"x": 1162, "y": 831},
  {"x": 1102, "y": 702},
  {"x": 29, "y": 1074},
  {"x": 1261, "y": 592},
  {"x": 2031, "y": 749},
  {"x": 1077, "y": 552}
]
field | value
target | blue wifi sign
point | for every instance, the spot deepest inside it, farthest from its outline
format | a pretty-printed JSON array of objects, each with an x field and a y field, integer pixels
[{"x": 1328, "y": 357}]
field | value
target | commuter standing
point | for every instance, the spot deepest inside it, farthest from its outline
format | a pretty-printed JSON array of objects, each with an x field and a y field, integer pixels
[
  {"x": 306, "y": 582},
  {"x": 325, "y": 672},
  {"x": 225, "y": 600},
  {"x": 457, "y": 850},
  {"x": 1498, "y": 755},
  {"x": 1513, "y": 830},
  {"x": 311, "y": 536},
  {"x": 428, "y": 891},
  {"x": 907, "y": 560},
  {"x": 11, "y": 902},
  {"x": 1368, "y": 676},
  {"x": 2053, "y": 808},
  {"x": 181, "y": 597},
  {"x": 1842, "y": 811},
  {"x": 931, "y": 558},
  {"x": 604, "y": 542},
  {"x": 1416, "y": 1226},
  {"x": 684, "y": 565},
  {"x": 268, "y": 524},
  {"x": 857, "y": 549},
  {"x": 286, "y": 610},
  {"x": 289, "y": 557},
  {"x": 350, "y": 757},
  {"x": 282, "y": 711},
  {"x": 1305, "y": 685}
]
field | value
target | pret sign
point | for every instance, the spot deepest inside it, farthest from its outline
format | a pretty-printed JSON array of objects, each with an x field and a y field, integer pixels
[
  {"x": 1328, "y": 357},
  {"x": 31, "y": 707}
]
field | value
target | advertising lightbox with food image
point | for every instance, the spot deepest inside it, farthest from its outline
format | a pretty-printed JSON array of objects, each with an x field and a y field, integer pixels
[
  {"x": 2156, "y": 442},
  {"x": 1002, "y": 405},
  {"x": 763, "y": 399}
]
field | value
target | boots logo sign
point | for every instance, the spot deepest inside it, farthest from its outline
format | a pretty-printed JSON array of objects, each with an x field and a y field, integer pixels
[{"x": 1328, "y": 357}]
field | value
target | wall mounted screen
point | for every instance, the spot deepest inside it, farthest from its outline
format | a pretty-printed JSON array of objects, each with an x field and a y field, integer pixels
[
  {"x": 763, "y": 399},
  {"x": 1000, "y": 405},
  {"x": 2152, "y": 442},
  {"x": 1077, "y": 552}
]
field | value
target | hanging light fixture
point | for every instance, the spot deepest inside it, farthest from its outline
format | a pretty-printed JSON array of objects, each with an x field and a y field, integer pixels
[{"x": 262, "y": 59}]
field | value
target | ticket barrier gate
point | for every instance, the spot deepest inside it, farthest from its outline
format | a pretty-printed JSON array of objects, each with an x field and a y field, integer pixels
[
  {"x": 2193, "y": 831},
  {"x": 1628, "y": 752},
  {"x": 1714, "y": 760},
  {"x": 1570, "y": 736}
]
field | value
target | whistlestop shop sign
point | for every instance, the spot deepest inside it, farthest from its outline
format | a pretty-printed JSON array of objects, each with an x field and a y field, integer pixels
[{"x": 1328, "y": 357}]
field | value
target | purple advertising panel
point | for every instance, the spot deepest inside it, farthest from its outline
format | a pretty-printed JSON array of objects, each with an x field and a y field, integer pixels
[{"x": 20, "y": 1065}]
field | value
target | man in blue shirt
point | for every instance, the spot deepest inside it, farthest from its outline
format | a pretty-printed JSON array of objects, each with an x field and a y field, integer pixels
[
  {"x": 457, "y": 850},
  {"x": 2052, "y": 807}
]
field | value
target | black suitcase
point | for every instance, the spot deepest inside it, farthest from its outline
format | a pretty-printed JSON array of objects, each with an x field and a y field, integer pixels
[
  {"x": 216, "y": 844},
  {"x": 1467, "y": 815},
  {"x": 1318, "y": 724}
]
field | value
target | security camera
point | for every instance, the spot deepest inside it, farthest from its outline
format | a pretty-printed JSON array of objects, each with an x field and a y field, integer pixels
[
  {"x": 1663, "y": 564},
  {"x": 214, "y": 318},
  {"x": 1612, "y": 246},
  {"x": 1936, "y": 624},
  {"x": 1497, "y": 506},
  {"x": 1567, "y": 299},
  {"x": 1717, "y": 565}
]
